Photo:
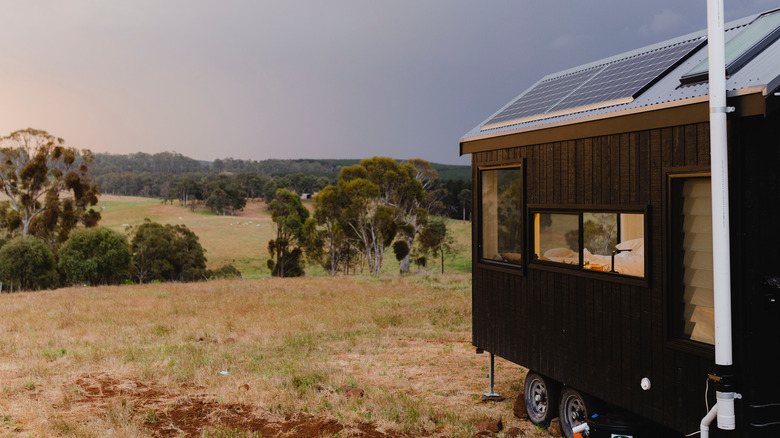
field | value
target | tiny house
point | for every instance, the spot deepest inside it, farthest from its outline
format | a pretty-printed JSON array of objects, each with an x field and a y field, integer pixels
[{"x": 592, "y": 235}]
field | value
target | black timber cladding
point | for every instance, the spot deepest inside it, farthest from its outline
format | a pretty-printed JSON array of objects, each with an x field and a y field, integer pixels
[
  {"x": 602, "y": 336},
  {"x": 586, "y": 349}
]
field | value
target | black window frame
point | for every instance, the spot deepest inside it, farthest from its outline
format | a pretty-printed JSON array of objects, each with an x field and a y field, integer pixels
[
  {"x": 480, "y": 261},
  {"x": 674, "y": 291},
  {"x": 578, "y": 269}
]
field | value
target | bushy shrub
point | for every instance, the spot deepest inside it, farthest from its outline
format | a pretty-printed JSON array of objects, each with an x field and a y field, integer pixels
[
  {"x": 96, "y": 256},
  {"x": 224, "y": 272},
  {"x": 27, "y": 263},
  {"x": 166, "y": 253}
]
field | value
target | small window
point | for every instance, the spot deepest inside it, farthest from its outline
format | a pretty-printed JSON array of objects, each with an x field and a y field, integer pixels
[
  {"x": 559, "y": 237},
  {"x": 611, "y": 241},
  {"x": 691, "y": 259},
  {"x": 501, "y": 198},
  {"x": 599, "y": 232}
]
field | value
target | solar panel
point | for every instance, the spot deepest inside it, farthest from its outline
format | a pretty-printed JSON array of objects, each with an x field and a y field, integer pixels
[
  {"x": 546, "y": 94},
  {"x": 627, "y": 78},
  {"x": 607, "y": 84}
]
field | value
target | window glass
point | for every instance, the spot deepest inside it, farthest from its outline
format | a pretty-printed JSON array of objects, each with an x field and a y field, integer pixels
[
  {"x": 557, "y": 237},
  {"x": 628, "y": 254},
  {"x": 692, "y": 261},
  {"x": 502, "y": 215},
  {"x": 612, "y": 241},
  {"x": 600, "y": 232}
]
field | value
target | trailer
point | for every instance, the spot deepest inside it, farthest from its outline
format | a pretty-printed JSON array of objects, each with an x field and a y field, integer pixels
[{"x": 592, "y": 238}]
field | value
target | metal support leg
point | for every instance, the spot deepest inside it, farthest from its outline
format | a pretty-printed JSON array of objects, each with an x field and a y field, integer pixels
[{"x": 492, "y": 395}]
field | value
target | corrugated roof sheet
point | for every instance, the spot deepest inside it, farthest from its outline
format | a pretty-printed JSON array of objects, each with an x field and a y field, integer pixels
[{"x": 759, "y": 72}]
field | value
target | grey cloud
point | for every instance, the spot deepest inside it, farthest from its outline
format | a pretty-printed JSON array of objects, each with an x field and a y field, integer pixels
[
  {"x": 664, "y": 22},
  {"x": 300, "y": 78}
]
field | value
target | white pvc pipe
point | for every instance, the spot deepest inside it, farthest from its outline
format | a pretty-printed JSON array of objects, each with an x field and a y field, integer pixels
[
  {"x": 721, "y": 254},
  {"x": 704, "y": 427},
  {"x": 727, "y": 420},
  {"x": 583, "y": 427}
]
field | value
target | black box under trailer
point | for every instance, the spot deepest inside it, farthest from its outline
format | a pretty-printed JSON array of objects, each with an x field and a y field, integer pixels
[{"x": 592, "y": 236}]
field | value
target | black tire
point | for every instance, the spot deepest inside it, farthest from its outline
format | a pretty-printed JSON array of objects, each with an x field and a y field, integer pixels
[
  {"x": 574, "y": 409},
  {"x": 541, "y": 398}
]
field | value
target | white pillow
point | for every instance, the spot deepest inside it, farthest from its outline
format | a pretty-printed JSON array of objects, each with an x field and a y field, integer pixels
[{"x": 637, "y": 246}]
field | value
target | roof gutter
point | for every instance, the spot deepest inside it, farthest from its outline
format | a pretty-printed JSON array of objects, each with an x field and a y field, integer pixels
[{"x": 693, "y": 110}]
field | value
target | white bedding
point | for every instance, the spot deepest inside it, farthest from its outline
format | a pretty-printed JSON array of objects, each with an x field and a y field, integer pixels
[{"x": 627, "y": 262}]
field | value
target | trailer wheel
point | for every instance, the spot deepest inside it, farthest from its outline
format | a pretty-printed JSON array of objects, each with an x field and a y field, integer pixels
[
  {"x": 574, "y": 409},
  {"x": 541, "y": 397}
]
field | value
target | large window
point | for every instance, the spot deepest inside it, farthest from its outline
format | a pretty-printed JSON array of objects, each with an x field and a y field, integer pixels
[
  {"x": 501, "y": 206},
  {"x": 691, "y": 258},
  {"x": 606, "y": 241}
]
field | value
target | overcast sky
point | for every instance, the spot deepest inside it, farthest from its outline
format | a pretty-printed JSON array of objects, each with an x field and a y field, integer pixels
[{"x": 302, "y": 79}]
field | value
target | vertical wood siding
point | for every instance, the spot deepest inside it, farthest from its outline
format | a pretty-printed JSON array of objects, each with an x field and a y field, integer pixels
[{"x": 599, "y": 336}]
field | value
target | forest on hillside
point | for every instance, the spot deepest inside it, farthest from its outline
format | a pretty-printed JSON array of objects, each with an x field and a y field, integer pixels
[
  {"x": 224, "y": 184},
  {"x": 176, "y": 163}
]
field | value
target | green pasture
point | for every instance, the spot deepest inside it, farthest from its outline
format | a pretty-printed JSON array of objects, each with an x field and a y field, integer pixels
[{"x": 242, "y": 240}]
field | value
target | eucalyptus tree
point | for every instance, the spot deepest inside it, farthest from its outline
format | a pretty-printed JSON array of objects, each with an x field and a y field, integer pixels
[
  {"x": 224, "y": 195},
  {"x": 379, "y": 200},
  {"x": 288, "y": 215},
  {"x": 187, "y": 190},
  {"x": 368, "y": 221},
  {"x": 47, "y": 183},
  {"x": 403, "y": 191},
  {"x": 301, "y": 183},
  {"x": 435, "y": 239},
  {"x": 327, "y": 244}
]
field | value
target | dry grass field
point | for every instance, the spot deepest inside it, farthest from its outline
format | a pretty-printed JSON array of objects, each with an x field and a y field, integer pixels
[
  {"x": 242, "y": 240},
  {"x": 306, "y": 357}
]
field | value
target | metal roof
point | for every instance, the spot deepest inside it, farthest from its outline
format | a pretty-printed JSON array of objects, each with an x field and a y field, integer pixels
[{"x": 752, "y": 78}]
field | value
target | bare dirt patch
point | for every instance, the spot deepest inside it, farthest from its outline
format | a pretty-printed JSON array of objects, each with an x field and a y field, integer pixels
[{"x": 167, "y": 414}]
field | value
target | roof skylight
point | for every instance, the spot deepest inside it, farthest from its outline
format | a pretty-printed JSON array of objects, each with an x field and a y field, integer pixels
[{"x": 751, "y": 41}]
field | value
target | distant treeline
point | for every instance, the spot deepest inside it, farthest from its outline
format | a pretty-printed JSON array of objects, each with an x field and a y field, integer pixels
[
  {"x": 224, "y": 184},
  {"x": 175, "y": 163}
]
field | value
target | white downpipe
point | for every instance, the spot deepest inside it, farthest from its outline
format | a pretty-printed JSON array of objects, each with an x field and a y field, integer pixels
[
  {"x": 721, "y": 255},
  {"x": 704, "y": 427}
]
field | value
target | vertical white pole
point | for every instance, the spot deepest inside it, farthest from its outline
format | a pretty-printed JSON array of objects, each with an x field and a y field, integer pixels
[
  {"x": 720, "y": 202},
  {"x": 721, "y": 256}
]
